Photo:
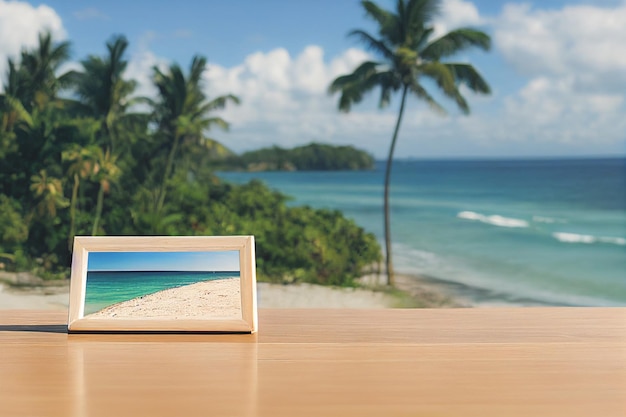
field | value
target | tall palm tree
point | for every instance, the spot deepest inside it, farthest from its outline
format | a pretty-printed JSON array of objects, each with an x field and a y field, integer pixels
[
  {"x": 82, "y": 165},
  {"x": 30, "y": 110},
  {"x": 105, "y": 172},
  {"x": 39, "y": 68},
  {"x": 408, "y": 55},
  {"x": 102, "y": 88},
  {"x": 182, "y": 111},
  {"x": 12, "y": 113}
]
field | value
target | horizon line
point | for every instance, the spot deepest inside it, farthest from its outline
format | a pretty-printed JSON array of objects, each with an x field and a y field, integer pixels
[{"x": 503, "y": 158}]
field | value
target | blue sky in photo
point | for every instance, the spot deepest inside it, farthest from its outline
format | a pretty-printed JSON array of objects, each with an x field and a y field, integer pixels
[
  {"x": 557, "y": 70},
  {"x": 163, "y": 261}
]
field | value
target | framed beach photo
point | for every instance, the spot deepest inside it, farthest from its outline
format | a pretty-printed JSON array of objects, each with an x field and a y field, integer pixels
[{"x": 163, "y": 284}]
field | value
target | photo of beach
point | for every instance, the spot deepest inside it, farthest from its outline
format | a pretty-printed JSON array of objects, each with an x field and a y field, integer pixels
[{"x": 163, "y": 285}]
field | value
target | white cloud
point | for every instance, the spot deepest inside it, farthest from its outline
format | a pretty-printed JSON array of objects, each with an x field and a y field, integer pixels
[
  {"x": 284, "y": 102},
  {"x": 140, "y": 67},
  {"x": 20, "y": 24},
  {"x": 575, "y": 59},
  {"x": 553, "y": 110},
  {"x": 284, "y": 99},
  {"x": 455, "y": 14},
  {"x": 583, "y": 42}
]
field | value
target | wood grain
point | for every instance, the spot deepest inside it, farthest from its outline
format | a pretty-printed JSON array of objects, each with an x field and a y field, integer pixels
[{"x": 459, "y": 362}]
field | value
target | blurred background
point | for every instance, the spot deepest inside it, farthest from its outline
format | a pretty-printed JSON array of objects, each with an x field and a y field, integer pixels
[{"x": 507, "y": 184}]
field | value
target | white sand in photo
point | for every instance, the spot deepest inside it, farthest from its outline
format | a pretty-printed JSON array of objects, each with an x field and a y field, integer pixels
[{"x": 203, "y": 300}]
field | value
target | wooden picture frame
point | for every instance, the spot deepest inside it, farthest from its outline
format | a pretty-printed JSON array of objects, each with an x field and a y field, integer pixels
[{"x": 194, "y": 279}]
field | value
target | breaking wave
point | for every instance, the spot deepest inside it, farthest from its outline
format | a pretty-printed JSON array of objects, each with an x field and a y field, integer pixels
[
  {"x": 578, "y": 238},
  {"x": 495, "y": 220}
]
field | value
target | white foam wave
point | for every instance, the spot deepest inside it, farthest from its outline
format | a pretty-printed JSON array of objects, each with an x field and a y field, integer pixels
[
  {"x": 470, "y": 215},
  {"x": 616, "y": 240},
  {"x": 495, "y": 219},
  {"x": 579, "y": 238}
]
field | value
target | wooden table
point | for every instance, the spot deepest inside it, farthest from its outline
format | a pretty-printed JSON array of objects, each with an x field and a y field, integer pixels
[{"x": 532, "y": 362}]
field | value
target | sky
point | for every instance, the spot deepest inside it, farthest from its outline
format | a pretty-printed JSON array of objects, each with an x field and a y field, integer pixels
[
  {"x": 163, "y": 261},
  {"x": 557, "y": 70}
]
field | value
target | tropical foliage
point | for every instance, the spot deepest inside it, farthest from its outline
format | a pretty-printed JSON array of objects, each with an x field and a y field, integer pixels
[
  {"x": 408, "y": 55},
  {"x": 76, "y": 160}
]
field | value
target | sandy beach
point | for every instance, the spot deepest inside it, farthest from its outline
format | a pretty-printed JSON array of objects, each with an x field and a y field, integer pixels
[
  {"x": 269, "y": 296},
  {"x": 410, "y": 291},
  {"x": 33, "y": 298}
]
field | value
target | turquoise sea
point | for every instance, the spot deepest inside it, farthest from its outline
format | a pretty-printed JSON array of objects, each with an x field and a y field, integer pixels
[
  {"x": 105, "y": 288},
  {"x": 520, "y": 231}
]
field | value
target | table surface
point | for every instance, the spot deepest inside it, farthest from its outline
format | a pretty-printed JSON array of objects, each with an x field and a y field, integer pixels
[{"x": 442, "y": 362}]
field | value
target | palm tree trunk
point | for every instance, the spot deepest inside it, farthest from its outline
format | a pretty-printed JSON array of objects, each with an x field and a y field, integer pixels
[
  {"x": 168, "y": 171},
  {"x": 388, "y": 257},
  {"x": 108, "y": 131},
  {"x": 70, "y": 239},
  {"x": 99, "y": 204}
]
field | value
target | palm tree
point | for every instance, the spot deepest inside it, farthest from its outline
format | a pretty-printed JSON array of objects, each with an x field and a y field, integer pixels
[
  {"x": 49, "y": 191},
  {"x": 30, "y": 110},
  {"x": 105, "y": 172},
  {"x": 13, "y": 110},
  {"x": 182, "y": 113},
  {"x": 82, "y": 166},
  {"x": 39, "y": 69},
  {"x": 408, "y": 55},
  {"x": 103, "y": 90},
  {"x": 12, "y": 113}
]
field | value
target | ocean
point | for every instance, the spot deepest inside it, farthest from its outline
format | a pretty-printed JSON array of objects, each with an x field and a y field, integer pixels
[
  {"x": 105, "y": 288},
  {"x": 526, "y": 232}
]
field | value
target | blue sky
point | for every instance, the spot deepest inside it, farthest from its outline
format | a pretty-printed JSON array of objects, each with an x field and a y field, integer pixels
[
  {"x": 557, "y": 70},
  {"x": 163, "y": 261}
]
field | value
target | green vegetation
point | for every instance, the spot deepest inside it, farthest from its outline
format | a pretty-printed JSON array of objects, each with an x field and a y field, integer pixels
[
  {"x": 75, "y": 159},
  {"x": 312, "y": 157},
  {"x": 408, "y": 55}
]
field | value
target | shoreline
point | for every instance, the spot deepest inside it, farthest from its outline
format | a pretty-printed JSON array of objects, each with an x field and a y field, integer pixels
[
  {"x": 433, "y": 292},
  {"x": 410, "y": 291},
  {"x": 483, "y": 297},
  {"x": 35, "y": 298}
]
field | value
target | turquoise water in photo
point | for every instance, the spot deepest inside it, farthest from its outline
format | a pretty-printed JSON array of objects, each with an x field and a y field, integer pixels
[
  {"x": 545, "y": 231},
  {"x": 105, "y": 288}
]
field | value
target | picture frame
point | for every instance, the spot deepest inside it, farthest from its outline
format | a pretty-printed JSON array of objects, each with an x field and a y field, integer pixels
[{"x": 163, "y": 284}]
